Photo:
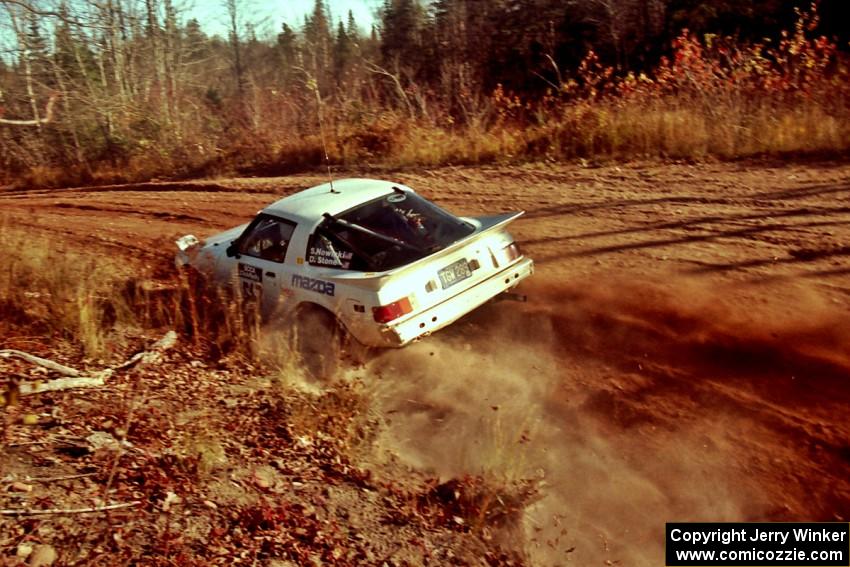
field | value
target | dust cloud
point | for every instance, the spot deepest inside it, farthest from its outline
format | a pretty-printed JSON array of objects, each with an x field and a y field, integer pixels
[{"x": 632, "y": 404}]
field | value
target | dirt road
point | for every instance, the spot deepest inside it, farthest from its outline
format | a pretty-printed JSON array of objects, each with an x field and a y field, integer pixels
[
  {"x": 743, "y": 222},
  {"x": 683, "y": 355}
]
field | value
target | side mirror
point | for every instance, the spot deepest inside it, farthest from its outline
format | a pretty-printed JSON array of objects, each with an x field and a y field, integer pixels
[{"x": 233, "y": 249}]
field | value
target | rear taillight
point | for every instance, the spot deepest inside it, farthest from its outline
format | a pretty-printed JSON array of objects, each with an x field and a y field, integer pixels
[
  {"x": 391, "y": 312},
  {"x": 506, "y": 255},
  {"x": 512, "y": 251}
]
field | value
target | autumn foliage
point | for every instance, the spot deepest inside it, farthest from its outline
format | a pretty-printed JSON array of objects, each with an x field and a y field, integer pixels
[
  {"x": 364, "y": 103},
  {"x": 712, "y": 97}
]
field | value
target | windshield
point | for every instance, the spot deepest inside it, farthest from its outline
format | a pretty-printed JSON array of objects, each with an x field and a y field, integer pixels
[{"x": 388, "y": 232}]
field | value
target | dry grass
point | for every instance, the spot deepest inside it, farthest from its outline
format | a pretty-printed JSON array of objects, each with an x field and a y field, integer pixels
[
  {"x": 58, "y": 292},
  {"x": 669, "y": 127},
  {"x": 213, "y": 319},
  {"x": 679, "y": 129}
]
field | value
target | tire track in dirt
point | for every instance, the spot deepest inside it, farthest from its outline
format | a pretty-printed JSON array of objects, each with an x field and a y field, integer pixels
[
  {"x": 127, "y": 211},
  {"x": 135, "y": 225},
  {"x": 635, "y": 403},
  {"x": 163, "y": 187}
]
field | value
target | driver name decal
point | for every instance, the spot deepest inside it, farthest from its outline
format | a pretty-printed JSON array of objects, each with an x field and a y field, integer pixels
[
  {"x": 321, "y": 256},
  {"x": 319, "y": 286}
]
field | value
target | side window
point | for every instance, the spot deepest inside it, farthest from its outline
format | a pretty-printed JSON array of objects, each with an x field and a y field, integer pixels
[
  {"x": 326, "y": 250},
  {"x": 267, "y": 239}
]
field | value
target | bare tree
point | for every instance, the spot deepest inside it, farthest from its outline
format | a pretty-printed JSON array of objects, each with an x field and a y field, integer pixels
[
  {"x": 24, "y": 46},
  {"x": 233, "y": 17}
]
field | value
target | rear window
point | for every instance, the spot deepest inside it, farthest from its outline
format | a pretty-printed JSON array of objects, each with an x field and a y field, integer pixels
[{"x": 386, "y": 233}]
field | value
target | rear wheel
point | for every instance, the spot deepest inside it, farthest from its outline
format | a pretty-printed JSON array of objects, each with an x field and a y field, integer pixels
[
  {"x": 318, "y": 338},
  {"x": 353, "y": 351}
]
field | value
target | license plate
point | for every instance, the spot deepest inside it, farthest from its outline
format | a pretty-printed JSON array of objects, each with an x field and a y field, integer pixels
[{"x": 455, "y": 272}]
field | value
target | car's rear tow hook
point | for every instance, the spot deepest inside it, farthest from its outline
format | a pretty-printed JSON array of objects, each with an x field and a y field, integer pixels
[{"x": 510, "y": 296}]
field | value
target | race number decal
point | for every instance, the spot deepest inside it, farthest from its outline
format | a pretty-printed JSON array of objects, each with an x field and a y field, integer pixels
[
  {"x": 252, "y": 291},
  {"x": 251, "y": 278},
  {"x": 250, "y": 273}
]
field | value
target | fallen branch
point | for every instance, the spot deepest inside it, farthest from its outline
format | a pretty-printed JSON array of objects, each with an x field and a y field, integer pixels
[
  {"x": 166, "y": 342},
  {"x": 28, "y": 443},
  {"x": 54, "y": 511},
  {"x": 38, "y": 361},
  {"x": 60, "y": 384},
  {"x": 151, "y": 356},
  {"x": 75, "y": 380},
  {"x": 68, "y": 440},
  {"x": 58, "y": 478}
]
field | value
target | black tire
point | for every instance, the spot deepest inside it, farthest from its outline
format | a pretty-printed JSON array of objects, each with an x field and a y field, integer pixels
[
  {"x": 353, "y": 352},
  {"x": 317, "y": 340}
]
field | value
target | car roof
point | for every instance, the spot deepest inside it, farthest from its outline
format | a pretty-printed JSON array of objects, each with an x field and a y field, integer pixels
[{"x": 309, "y": 205}]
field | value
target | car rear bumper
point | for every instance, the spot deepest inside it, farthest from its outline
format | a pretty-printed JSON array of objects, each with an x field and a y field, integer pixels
[{"x": 452, "y": 309}]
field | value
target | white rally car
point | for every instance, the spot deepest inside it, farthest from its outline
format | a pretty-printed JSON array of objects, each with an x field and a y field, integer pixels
[{"x": 369, "y": 257}]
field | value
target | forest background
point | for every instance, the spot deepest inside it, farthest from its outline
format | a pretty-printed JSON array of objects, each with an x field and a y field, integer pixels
[{"x": 109, "y": 91}]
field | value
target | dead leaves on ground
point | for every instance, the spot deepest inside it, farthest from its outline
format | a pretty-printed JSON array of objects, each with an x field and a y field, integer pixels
[{"x": 229, "y": 469}]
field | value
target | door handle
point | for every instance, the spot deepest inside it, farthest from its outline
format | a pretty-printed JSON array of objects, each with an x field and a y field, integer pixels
[{"x": 270, "y": 275}]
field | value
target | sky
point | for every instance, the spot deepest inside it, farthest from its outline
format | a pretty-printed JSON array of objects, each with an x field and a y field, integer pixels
[{"x": 268, "y": 16}]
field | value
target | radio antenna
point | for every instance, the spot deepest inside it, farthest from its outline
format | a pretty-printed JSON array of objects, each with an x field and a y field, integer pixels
[{"x": 314, "y": 84}]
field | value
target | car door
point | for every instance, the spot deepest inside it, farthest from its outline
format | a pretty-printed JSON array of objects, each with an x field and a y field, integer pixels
[
  {"x": 261, "y": 263},
  {"x": 327, "y": 258}
]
